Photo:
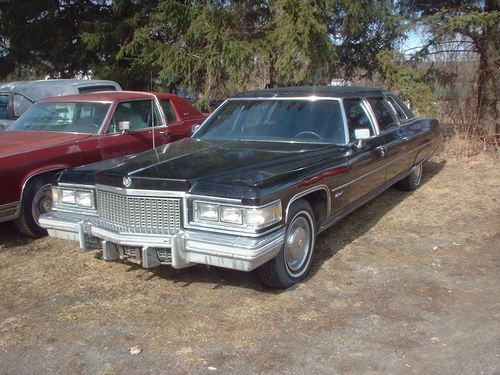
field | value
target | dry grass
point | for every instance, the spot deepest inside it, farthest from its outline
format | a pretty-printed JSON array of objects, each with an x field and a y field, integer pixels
[
  {"x": 462, "y": 135},
  {"x": 406, "y": 284}
]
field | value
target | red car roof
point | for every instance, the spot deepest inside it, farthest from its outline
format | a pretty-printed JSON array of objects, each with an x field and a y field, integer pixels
[{"x": 109, "y": 96}]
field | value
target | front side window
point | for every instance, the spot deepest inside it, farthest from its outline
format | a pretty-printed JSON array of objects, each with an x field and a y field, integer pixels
[
  {"x": 307, "y": 121},
  {"x": 141, "y": 114},
  {"x": 382, "y": 113},
  {"x": 72, "y": 117},
  {"x": 357, "y": 117}
]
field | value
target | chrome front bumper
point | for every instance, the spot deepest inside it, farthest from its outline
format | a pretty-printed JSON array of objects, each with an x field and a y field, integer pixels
[{"x": 185, "y": 248}]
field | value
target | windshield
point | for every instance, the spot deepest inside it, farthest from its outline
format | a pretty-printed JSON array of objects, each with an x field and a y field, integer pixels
[
  {"x": 79, "y": 117},
  {"x": 318, "y": 121}
]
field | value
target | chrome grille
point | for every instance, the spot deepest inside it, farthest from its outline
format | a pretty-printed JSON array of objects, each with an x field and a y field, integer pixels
[{"x": 137, "y": 214}]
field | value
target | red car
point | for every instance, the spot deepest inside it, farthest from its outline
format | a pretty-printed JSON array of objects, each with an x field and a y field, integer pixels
[{"x": 64, "y": 132}]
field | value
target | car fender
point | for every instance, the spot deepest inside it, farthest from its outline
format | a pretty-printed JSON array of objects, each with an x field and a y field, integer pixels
[{"x": 38, "y": 172}]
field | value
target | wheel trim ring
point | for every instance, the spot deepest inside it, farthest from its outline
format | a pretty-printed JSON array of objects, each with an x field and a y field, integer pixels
[
  {"x": 300, "y": 269},
  {"x": 417, "y": 174},
  {"x": 37, "y": 202}
]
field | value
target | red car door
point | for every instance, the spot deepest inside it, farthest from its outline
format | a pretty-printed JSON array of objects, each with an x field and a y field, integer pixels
[
  {"x": 139, "y": 113},
  {"x": 177, "y": 128}
]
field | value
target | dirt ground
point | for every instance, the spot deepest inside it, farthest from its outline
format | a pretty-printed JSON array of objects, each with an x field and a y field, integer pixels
[{"x": 408, "y": 284}]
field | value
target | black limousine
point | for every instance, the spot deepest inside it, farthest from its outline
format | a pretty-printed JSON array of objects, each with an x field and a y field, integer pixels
[{"x": 253, "y": 187}]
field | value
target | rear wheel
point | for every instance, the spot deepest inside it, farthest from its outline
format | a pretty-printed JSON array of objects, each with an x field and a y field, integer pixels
[
  {"x": 412, "y": 181},
  {"x": 37, "y": 200},
  {"x": 293, "y": 262}
]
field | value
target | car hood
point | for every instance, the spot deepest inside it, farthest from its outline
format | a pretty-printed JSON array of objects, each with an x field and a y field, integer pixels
[
  {"x": 17, "y": 142},
  {"x": 198, "y": 166}
]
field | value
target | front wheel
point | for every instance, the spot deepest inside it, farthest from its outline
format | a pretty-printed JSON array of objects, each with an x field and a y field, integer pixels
[
  {"x": 412, "y": 181},
  {"x": 37, "y": 200},
  {"x": 293, "y": 262}
]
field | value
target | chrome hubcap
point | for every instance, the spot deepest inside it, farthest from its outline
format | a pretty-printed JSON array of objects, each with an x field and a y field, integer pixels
[
  {"x": 297, "y": 244},
  {"x": 42, "y": 202}
]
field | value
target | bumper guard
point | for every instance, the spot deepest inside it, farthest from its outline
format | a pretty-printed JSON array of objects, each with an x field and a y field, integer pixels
[{"x": 182, "y": 249}]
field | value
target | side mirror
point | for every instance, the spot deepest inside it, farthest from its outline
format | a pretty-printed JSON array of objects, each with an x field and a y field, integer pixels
[
  {"x": 124, "y": 126},
  {"x": 360, "y": 135},
  {"x": 195, "y": 128}
]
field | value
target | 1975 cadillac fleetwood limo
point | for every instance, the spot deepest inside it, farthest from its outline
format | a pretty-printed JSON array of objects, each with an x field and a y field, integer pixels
[{"x": 263, "y": 175}]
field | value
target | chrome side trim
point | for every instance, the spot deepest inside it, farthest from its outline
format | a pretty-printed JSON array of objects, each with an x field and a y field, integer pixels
[
  {"x": 233, "y": 201},
  {"x": 307, "y": 191},
  {"x": 75, "y": 210},
  {"x": 371, "y": 114},
  {"x": 311, "y": 98},
  {"x": 379, "y": 168},
  {"x": 361, "y": 201},
  {"x": 38, "y": 174},
  {"x": 64, "y": 184},
  {"x": 9, "y": 211},
  {"x": 344, "y": 118}
]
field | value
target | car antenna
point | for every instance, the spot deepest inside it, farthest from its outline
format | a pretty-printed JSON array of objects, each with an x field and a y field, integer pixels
[{"x": 153, "y": 122}]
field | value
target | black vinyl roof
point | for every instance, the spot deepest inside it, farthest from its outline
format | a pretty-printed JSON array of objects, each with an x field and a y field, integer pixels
[{"x": 320, "y": 91}]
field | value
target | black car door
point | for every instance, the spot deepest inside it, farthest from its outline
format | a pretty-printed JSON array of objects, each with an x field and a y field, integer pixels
[
  {"x": 367, "y": 160},
  {"x": 395, "y": 137}
]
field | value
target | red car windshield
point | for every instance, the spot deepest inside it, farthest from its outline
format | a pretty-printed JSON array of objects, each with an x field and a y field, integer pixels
[{"x": 70, "y": 117}]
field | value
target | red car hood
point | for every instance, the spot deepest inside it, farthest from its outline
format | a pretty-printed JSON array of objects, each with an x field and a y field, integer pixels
[{"x": 17, "y": 142}]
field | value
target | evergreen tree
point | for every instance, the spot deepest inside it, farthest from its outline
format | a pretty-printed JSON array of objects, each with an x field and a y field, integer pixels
[
  {"x": 217, "y": 47},
  {"x": 108, "y": 37},
  {"x": 44, "y": 35}
]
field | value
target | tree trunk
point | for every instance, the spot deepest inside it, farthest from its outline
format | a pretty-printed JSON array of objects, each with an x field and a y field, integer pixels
[
  {"x": 489, "y": 77},
  {"x": 272, "y": 74}
]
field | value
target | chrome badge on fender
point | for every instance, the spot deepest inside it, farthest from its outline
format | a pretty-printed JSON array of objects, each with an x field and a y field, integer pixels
[{"x": 127, "y": 181}]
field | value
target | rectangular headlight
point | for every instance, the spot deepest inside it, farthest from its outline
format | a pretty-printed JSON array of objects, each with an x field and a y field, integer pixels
[
  {"x": 84, "y": 199},
  {"x": 226, "y": 215},
  {"x": 68, "y": 196},
  {"x": 207, "y": 211},
  {"x": 231, "y": 215},
  {"x": 263, "y": 215}
]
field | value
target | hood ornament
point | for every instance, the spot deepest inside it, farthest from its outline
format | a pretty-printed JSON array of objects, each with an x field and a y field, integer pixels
[{"x": 127, "y": 181}]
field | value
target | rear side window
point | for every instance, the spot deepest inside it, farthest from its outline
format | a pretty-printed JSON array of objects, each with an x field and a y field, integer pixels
[
  {"x": 4, "y": 102},
  {"x": 21, "y": 105},
  {"x": 168, "y": 110},
  {"x": 87, "y": 89},
  {"x": 357, "y": 117},
  {"x": 382, "y": 113},
  {"x": 409, "y": 114},
  {"x": 397, "y": 109}
]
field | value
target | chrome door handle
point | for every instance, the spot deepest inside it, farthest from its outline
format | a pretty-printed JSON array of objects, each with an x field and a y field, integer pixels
[{"x": 381, "y": 151}]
